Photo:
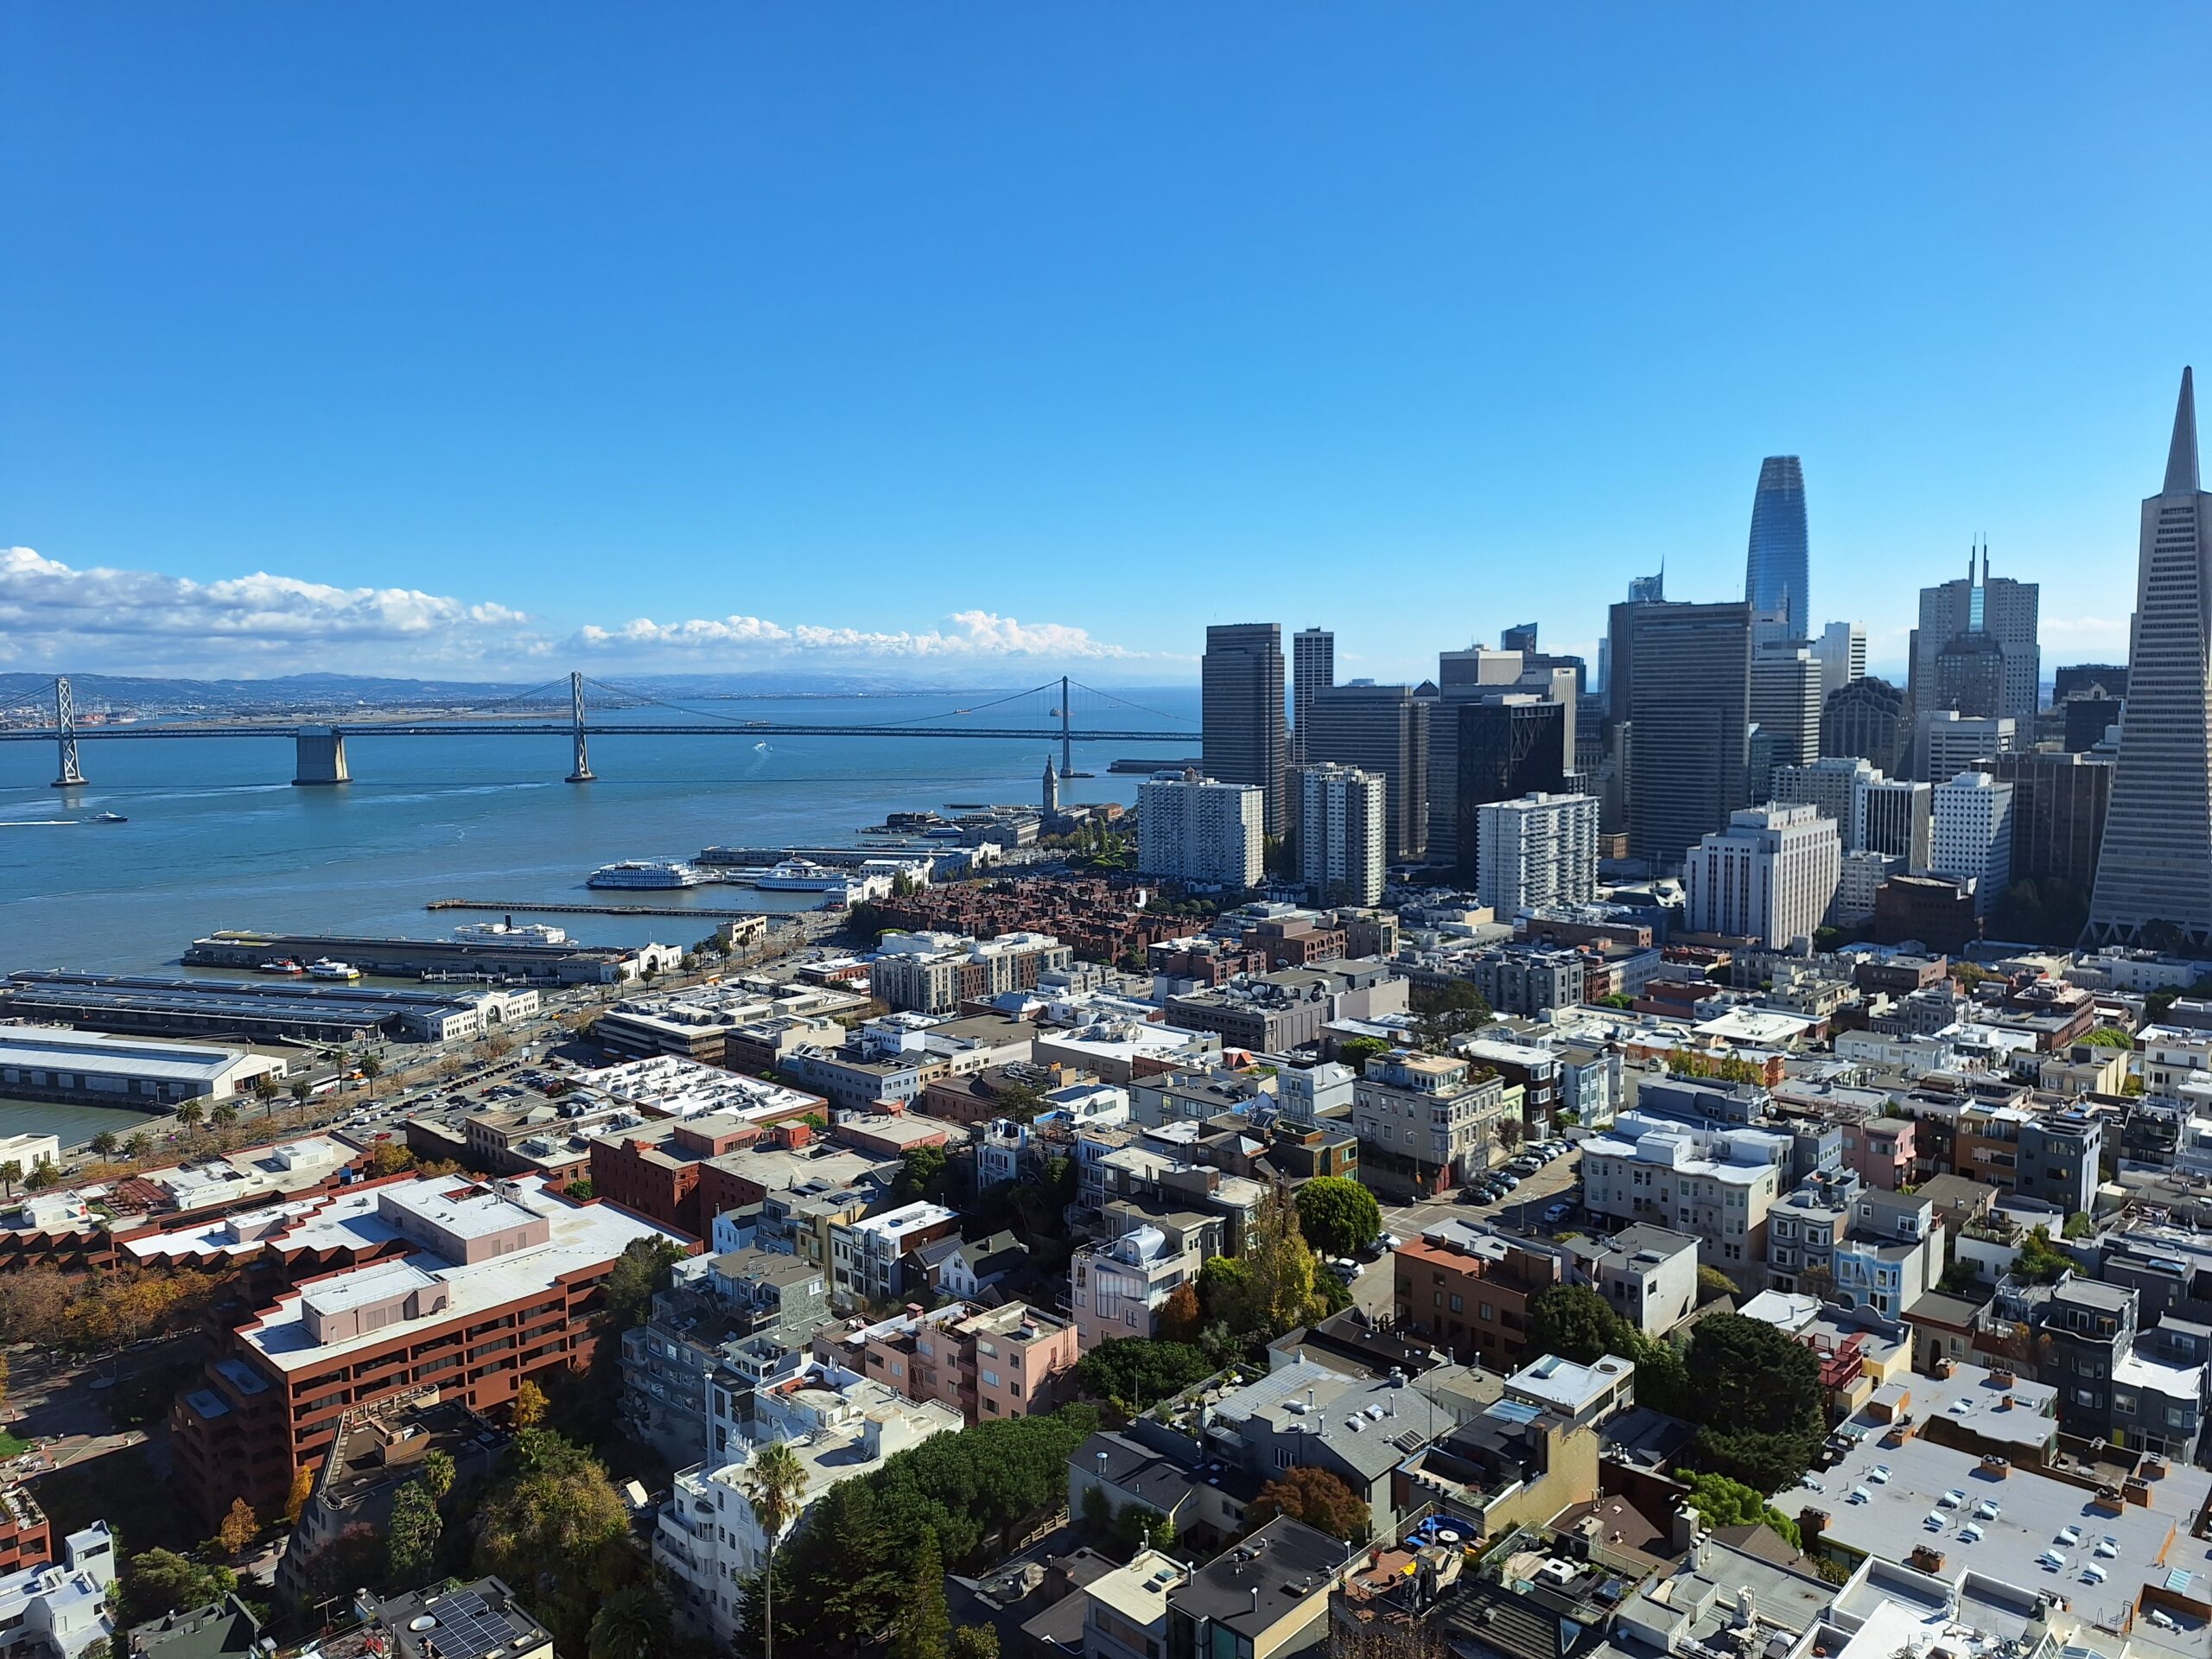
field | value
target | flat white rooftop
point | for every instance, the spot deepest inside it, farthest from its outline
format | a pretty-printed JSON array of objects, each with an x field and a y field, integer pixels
[
  {"x": 60, "y": 1048},
  {"x": 584, "y": 1235}
]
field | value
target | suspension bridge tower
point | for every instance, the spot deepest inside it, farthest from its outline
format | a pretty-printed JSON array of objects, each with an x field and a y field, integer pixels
[
  {"x": 580, "y": 772},
  {"x": 64, "y": 729}
]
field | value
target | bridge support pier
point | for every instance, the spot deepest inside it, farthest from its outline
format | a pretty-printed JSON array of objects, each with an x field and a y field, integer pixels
[{"x": 321, "y": 756}]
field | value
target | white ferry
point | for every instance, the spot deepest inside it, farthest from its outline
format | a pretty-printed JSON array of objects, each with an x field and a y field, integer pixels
[
  {"x": 324, "y": 968},
  {"x": 646, "y": 872},
  {"x": 804, "y": 875},
  {"x": 508, "y": 932}
]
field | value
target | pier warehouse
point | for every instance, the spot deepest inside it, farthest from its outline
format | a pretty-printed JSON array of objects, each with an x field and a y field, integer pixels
[
  {"x": 258, "y": 1011},
  {"x": 498, "y": 961},
  {"x": 54, "y": 1063}
]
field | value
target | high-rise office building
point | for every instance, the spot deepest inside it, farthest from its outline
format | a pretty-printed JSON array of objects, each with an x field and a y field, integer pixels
[
  {"x": 1540, "y": 850},
  {"x": 2154, "y": 874},
  {"x": 1241, "y": 713},
  {"x": 2088, "y": 680},
  {"x": 1521, "y": 637},
  {"x": 1312, "y": 668},
  {"x": 2060, "y": 802},
  {"x": 1769, "y": 876},
  {"x": 1894, "y": 818},
  {"x": 1382, "y": 729},
  {"x": 1689, "y": 710},
  {"x": 1842, "y": 652},
  {"x": 1831, "y": 786},
  {"x": 1340, "y": 833},
  {"x": 1785, "y": 705},
  {"x": 1620, "y": 645},
  {"x": 1868, "y": 718},
  {"x": 1778, "y": 570},
  {"x": 1971, "y": 674},
  {"x": 1195, "y": 830},
  {"x": 1972, "y": 840},
  {"x": 2005, "y": 611},
  {"x": 1498, "y": 746},
  {"x": 1946, "y": 743}
]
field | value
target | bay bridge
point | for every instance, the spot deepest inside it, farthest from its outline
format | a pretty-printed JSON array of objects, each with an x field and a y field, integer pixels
[{"x": 320, "y": 748}]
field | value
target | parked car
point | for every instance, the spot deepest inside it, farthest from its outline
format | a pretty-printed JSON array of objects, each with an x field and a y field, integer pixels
[
  {"x": 1554, "y": 1214},
  {"x": 1506, "y": 1178}
]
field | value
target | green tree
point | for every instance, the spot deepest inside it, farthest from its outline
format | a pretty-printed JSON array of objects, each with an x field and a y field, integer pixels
[
  {"x": 190, "y": 1115},
  {"x": 1574, "y": 1322},
  {"x": 1133, "y": 1373},
  {"x": 138, "y": 1147},
  {"x": 1446, "y": 1010},
  {"x": 10, "y": 1172},
  {"x": 1281, "y": 1264},
  {"x": 636, "y": 1622},
  {"x": 1725, "y": 1503},
  {"x": 411, "y": 1538},
  {"x": 646, "y": 1265},
  {"x": 437, "y": 1475},
  {"x": 371, "y": 1068},
  {"x": 926, "y": 1627},
  {"x": 44, "y": 1174},
  {"x": 1229, "y": 1294},
  {"x": 301, "y": 1090},
  {"x": 1758, "y": 1395},
  {"x": 225, "y": 1114},
  {"x": 160, "y": 1581},
  {"x": 976, "y": 1642},
  {"x": 2109, "y": 1037},
  {"x": 1318, "y": 1498},
  {"x": 1357, "y": 1051},
  {"x": 553, "y": 1522},
  {"x": 105, "y": 1143},
  {"x": 1337, "y": 1216},
  {"x": 921, "y": 1176},
  {"x": 773, "y": 1484},
  {"x": 2041, "y": 1260}
]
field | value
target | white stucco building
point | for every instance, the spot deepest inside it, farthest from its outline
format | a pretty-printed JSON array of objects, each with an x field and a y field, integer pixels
[{"x": 1767, "y": 877}]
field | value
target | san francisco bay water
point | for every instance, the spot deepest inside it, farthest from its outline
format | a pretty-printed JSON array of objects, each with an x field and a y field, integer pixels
[{"x": 218, "y": 836}]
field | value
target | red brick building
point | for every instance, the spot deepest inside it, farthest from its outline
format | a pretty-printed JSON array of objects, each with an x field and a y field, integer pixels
[{"x": 501, "y": 1280}]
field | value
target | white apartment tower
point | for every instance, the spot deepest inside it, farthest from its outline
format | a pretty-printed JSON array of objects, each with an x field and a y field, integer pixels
[
  {"x": 1540, "y": 850},
  {"x": 1971, "y": 843},
  {"x": 1341, "y": 819},
  {"x": 1832, "y": 785},
  {"x": 1769, "y": 876},
  {"x": 1195, "y": 830},
  {"x": 1947, "y": 743}
]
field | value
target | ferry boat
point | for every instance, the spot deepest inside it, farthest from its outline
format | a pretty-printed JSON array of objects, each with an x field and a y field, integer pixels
[
  {"x": 504, "y": 931},
  {"x": 646, "y": 872},
  {"x": 803, "y": 876},
  {"x": 282, "y": 965},
  {"x": 324, "y": 968}
]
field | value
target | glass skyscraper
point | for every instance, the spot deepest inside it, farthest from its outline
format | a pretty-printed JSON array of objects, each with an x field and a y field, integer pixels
[{"x": 1777, "y": 570}]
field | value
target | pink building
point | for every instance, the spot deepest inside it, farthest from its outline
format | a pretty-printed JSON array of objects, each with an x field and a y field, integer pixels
[
  {"x": 1880, "y": 1149},
  {"x": 985, "y": 1362},
  {"x": 1118, "y": 1288}
]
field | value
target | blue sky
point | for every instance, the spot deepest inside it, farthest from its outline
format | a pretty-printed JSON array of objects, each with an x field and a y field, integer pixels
[{"x": 962, "y": 341}]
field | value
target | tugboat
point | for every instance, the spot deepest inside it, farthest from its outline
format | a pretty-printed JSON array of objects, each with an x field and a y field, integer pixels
[{"x": 282, "y": 965}]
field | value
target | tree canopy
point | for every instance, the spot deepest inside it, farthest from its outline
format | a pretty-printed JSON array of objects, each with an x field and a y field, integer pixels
[
  {"x": 553, "y": 1526},
  {"x": 1757, "y": 1393},
  {"x": 922, "y": 1174},
  {"x": 1337, "y": 1215},
  {"x": 645, "y": 1266},
  {"x": 1725, "y": 1503},
  {"x": 1316, "y": 1497},
  {"x": 1357, "y": 1051},
  {"x": 844, "y": 1579},
  {"x": 1133, "y": 1373},
  {"x": 1576, "y": 1323},
  {"x": 161, "y": 1581}
]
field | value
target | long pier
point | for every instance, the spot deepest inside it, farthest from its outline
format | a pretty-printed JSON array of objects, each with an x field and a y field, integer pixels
[{"x": 701, "y": 910}]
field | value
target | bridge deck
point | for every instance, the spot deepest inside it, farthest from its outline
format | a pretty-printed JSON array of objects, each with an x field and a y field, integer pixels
[{"x": 563, "y": 728}]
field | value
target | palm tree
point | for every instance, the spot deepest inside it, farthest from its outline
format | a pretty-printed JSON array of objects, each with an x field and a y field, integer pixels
[
  {"x": 138, "y": 1147},
  {"x": 224, "y": 1115},
  {"x": 188, "y": 1116},
  {"x": 632, "y": 1623},
  {"x": 10, "y": 1172},
  {"x": 773, "y": 1484},
  {"x": 371, "y": 1068},
  {"x": 105, "y": 1143}
]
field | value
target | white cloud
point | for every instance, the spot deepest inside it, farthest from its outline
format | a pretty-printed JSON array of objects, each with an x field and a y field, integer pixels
[
  {"x": 971, "y": 635},
  {"x": 2075, "y": 634},
  {"x": 137, "y": 621}
]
